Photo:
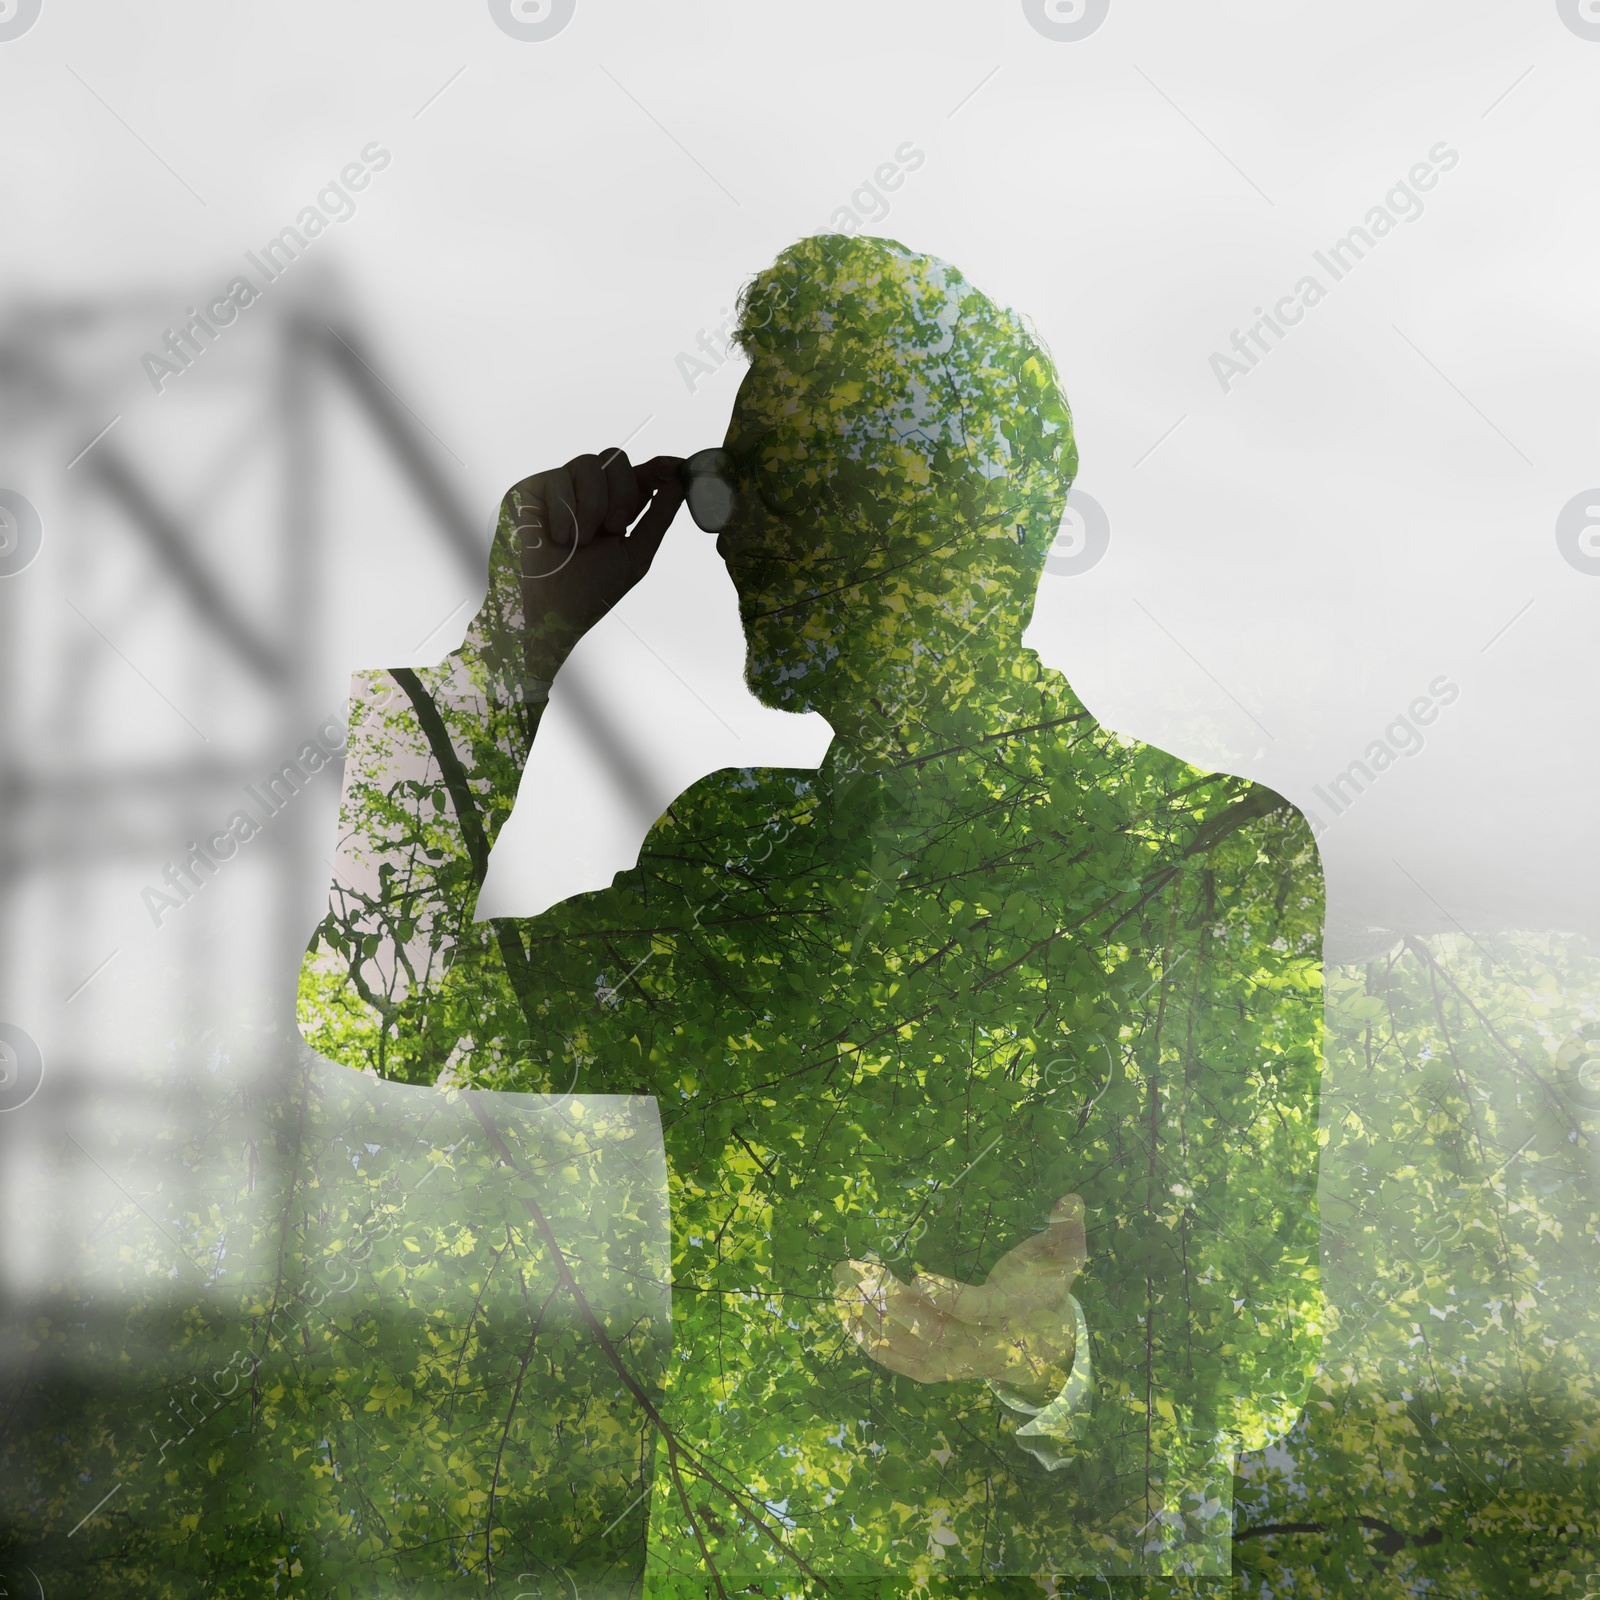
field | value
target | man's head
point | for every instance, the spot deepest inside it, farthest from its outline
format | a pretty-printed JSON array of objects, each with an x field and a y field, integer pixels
[{"x": 906, "y": 455}]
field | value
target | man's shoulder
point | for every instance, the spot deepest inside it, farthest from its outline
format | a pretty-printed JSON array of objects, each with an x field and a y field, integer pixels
[
  {"x": 1155, "y": 768},
  {"x": 735, "y": 798},
  {"x": 731, "y": 814}
]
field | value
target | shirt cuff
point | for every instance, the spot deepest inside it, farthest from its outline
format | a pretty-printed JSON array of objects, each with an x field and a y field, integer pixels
[{"x": 1058, "y": 1422}]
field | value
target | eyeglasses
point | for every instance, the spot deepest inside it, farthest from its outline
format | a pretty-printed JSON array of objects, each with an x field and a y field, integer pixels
[
  {"x": 714, "y": 481},
  {"x": 710, "y": 481}
]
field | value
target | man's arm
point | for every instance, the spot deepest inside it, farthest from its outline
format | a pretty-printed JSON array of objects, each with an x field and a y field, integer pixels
[{"x": 435, "y": 759}]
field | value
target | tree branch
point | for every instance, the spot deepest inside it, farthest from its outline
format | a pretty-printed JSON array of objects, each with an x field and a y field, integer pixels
[
  {"x": 673, "y": 1446},
  {"x": 434, "y": 731}
]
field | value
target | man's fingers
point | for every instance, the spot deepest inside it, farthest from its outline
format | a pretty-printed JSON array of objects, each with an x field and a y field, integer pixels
[
  {"x": 893, "y": 1345},
  {"x": 657, "y": 473},
  {"x": 624, "y": 498},
  {"x": 878, "y": 1307},
  {"x": 589, "y": 480},
  {"x": 1049, "y": 1261},
  {"x": 1069, "y": 1239},
  {"x": 965, "y": 1302},
  {"x": 663, "y": 508},
  {"x": 910, "y": 1322},
  {"x": 596, "y": 494},
  {"x": 936, "y": 1329},
  {"x": 936, "y": 1307},
  {"x": 1068, "y": 1212},
  {"x": 659, "y": 483},
  {"x": 605, "y": 494},
  {"x": 555, "y": 507},
  {"x": 901, "y": 1327},
  {"x": 925, "y": 1346},
  {"x": 924, "y": 1366}
]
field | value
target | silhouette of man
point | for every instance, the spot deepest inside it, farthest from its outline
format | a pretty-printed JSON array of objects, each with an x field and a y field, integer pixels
[{"x": 986, "y": 1054}]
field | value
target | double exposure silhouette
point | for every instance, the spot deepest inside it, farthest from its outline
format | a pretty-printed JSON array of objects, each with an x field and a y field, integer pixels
[{"x": 986, "y": 1054}]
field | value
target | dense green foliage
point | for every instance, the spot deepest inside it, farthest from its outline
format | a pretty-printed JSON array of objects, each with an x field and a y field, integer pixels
[
  {"x": 329, "y": 1353},
  {"x": 991, "y": 954},
  {"x": 1451, "y": 1445}
]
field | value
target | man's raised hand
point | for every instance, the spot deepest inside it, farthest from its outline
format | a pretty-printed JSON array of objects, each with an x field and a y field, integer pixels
[{"x": 587, "y": 533}]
